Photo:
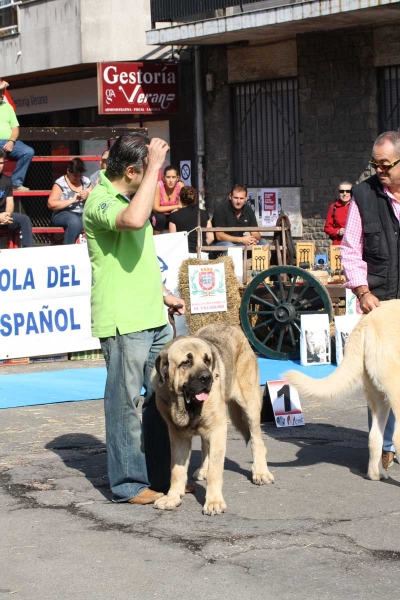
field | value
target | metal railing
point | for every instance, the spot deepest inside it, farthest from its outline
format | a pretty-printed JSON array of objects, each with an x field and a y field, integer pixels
[{"x": 180, "y": 10}]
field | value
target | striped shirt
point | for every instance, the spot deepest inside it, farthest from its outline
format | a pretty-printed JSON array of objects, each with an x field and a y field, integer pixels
[{"x": 355, "y": 268}]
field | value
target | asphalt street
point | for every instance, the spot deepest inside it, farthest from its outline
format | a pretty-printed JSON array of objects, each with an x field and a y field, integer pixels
[{"x": 322, "y": 531}]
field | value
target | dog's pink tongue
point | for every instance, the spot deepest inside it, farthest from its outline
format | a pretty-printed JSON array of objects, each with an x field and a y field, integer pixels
[{"x": 201, "y": 397}]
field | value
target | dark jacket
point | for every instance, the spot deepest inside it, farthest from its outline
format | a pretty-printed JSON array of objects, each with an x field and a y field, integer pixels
[{"x": 381, "y": 247}]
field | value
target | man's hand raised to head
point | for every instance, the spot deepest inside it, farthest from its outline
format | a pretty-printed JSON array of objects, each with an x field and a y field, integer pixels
[{"x": 157, "y": 150}]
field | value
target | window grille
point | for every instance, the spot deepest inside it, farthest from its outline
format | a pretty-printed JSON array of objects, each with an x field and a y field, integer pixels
[
  {"x": 389, "y": 98},
  {"x": 266, "y": 148}
]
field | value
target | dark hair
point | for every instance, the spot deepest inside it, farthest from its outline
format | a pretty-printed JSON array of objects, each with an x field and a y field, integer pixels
[
  {"x": 392, "y": 136},
  {"x": 171, "y": 168},
  {"x": 2, "y": 153},
  {"x": 77, "y": 166},
  {"x": 188, "y": 196},
  {"x": 129, "y": 150},
  {"x": 239, "y": 187}
]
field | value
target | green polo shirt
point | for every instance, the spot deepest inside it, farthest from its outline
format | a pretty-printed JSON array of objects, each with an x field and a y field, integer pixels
[
  {"x": 126, "y": 277},
  {"x": 7, "y": 120}
]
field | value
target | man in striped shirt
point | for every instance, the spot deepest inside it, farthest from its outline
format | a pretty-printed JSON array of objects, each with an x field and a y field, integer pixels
[{"x": 370, "y": 248}]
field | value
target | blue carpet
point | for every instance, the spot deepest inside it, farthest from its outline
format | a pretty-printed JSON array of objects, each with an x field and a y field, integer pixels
[
  {"x": 271, "y": 370},
  {"x": 73, "y": 385},
  {"x": 69, "y": 385}
]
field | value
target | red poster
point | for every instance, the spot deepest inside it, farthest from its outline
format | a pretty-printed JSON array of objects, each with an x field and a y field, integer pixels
[
  {"x": 270, "y": 201},
  {"x": 137, "y": 87}
]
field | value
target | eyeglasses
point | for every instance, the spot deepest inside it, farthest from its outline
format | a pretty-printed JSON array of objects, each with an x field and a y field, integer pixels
[
  {"x": 345, "y": 191},
  {"x": 384, "y": 168}
]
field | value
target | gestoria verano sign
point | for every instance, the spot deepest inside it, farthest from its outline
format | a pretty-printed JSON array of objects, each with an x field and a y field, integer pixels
[{"x": 137, "y": 87}]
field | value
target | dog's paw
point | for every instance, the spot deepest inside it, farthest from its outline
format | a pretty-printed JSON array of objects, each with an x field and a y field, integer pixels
[
  {"x": 376, "y": 475},
  {"x": 168, "y": 502},
  {"x": 200, "y": 475},
  {"x": 263, "y": 478},
  {"x": 214, "y": 507}
]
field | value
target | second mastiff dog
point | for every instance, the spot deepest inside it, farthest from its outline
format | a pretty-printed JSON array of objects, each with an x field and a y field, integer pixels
[{"x": 195, "y": 378}]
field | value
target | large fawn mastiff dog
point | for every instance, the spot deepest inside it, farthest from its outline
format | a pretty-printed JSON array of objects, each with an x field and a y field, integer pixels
[
  {"x": 371, "y": 360},
  {"x": 195, "y": 378}
]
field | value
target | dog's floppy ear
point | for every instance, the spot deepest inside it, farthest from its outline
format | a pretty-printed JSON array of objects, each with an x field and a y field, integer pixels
[
  {"x": 161, "y": 366},
  {"x": 214, "y": 359}
]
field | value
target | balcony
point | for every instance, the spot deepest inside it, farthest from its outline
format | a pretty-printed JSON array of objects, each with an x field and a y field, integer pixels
[
  {"x": 202, "y": 22},
  {"x": 183, "y": 10}
]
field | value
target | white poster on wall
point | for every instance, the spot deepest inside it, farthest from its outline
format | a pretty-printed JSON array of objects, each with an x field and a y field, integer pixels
[
  {"x": 172, "y": 249},
  {"x": 45, "y": 301},
  {"x": 288, "y": 202}
]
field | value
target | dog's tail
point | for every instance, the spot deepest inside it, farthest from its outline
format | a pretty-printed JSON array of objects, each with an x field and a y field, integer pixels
[
  {"x": 345, "y": 379},
  {"x": 238, "y": 420}
]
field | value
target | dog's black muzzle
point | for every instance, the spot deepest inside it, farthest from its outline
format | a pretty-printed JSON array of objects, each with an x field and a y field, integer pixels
[{"x": 198, "y": 387}]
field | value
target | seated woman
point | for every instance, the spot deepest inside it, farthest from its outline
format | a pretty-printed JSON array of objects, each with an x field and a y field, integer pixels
[
  {"x": 166, "y": 199},
  {"x": 337, "y": 213},
  {"x": 67, "y": 199},
  {"x": 186, "y": 219}
]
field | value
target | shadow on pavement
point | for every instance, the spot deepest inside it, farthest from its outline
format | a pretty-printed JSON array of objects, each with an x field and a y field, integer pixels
[{"x": 86, "y": 454}]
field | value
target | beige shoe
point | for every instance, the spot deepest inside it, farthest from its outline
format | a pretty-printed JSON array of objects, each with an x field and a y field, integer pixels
[
  {"x": 20, "y": 188},
  {"x": 148, "y": 496},
  {"x": 387, "y": 459}
]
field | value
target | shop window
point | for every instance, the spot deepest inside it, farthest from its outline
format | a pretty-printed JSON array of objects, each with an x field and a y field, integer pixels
[
  {"x": 389, "y": 98},
  {"x": 266, "y": 147}
]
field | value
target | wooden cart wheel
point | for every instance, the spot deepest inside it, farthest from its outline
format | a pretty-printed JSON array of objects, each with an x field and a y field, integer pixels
[{"x": 272, "y": 305}]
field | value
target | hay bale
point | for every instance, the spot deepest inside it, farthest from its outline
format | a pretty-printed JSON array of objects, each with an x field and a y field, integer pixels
[{"x": 231, "y": 316}]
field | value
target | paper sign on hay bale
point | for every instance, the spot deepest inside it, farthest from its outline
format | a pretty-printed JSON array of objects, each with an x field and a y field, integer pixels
[
  {"x": 207, "y": 288},
  {"x": 229, "y": 316},
  {"x": 285, "y": 404}
]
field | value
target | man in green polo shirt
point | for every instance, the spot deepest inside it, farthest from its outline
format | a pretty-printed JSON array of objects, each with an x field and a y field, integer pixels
[{"x": 128, "y": 314}]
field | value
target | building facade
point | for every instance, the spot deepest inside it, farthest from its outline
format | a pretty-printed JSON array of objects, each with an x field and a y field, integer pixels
[
  {"x": 294, "y": 95},
  {"x": 49, "y": 53}
]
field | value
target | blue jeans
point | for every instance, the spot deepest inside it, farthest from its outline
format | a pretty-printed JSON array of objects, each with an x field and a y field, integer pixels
[
  {"x": 23, "y": 223},
  {"x": 214, "y": 254},
  {"x": 388, "y": 433},
  {"x": 72, "y": 223},
  {"x": 138, "y": 457},
  {"x": 23, "y": 154}
]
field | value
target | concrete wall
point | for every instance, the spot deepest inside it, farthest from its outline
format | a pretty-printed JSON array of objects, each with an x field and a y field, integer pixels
[
  {"x": 338, "y": 117},
  {"x": 61, "y": 33},
  {"x": 270, "y": 61},
  {"x": 49, "y": 37},
  {"x": 116, "y": 30}
]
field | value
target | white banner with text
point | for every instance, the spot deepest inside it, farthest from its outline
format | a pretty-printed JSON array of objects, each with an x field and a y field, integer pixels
[{"x": 45, "y": 301}]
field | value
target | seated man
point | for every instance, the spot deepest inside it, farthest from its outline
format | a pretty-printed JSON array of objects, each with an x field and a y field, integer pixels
[
  {"x": 8, "y": 218},
  {"x": 16, "y": 150},
  {"x": 236, "y": 213}
]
